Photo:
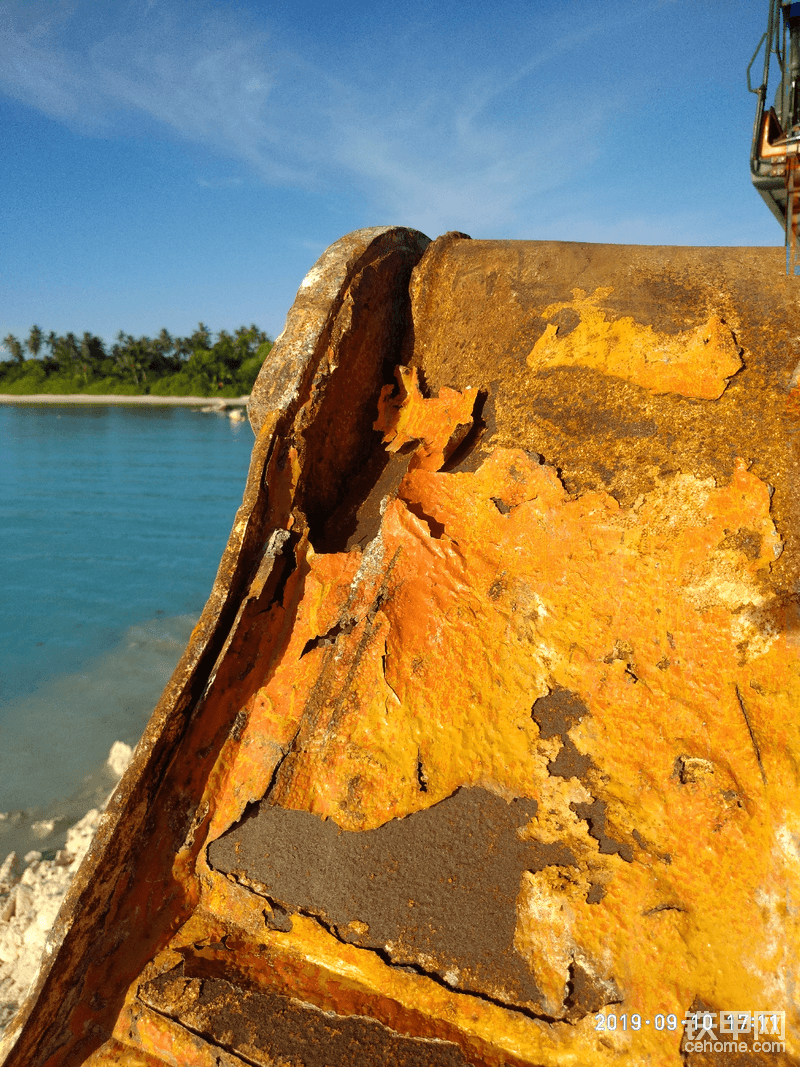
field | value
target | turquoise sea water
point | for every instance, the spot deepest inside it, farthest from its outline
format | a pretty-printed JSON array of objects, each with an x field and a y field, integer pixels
[{"x": 112, "y": 523}]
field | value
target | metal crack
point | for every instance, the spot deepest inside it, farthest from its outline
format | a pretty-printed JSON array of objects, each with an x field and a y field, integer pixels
[{"x": 750, "y": 731}]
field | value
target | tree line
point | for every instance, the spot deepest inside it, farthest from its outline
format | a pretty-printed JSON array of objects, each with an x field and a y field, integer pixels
[{"x": 164, "y": 366}]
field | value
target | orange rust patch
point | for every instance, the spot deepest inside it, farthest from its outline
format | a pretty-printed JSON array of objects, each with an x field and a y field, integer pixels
[
  {"x": 431, "y": 424},
  {"x": 658, "y": 617},
  {"x": 116, "y": 1054},
  {"x": 393, "y": 677},
  {"x": 695, "y": 363}
]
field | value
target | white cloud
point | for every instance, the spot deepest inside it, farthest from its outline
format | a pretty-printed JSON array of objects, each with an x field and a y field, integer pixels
[
  {"x": 220, "y": 183},
  {"x": 431, "y": 151}
]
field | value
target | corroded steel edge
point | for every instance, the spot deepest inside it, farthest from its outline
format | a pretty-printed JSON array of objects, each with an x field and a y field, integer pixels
[
  {"x": 313, "y": 312},
  {"x": 47, "y": 1030}
]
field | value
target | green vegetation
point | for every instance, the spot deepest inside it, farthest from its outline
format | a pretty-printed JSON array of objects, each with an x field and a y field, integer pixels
[{"x": 161, "y": 366}]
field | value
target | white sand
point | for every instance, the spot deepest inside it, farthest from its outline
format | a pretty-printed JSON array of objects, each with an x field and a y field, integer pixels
[{"x": 31, "y": 893}]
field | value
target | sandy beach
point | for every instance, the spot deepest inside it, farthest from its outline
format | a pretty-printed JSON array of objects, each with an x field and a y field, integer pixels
[
  {"x": 32, "y": 890},
  {"x": 105, "y": 398}
]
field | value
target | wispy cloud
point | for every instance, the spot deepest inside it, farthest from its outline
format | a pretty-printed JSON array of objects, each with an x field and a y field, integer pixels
[
  {"x": 432, "y": 152},
  {"x": 220, "y": 183}
]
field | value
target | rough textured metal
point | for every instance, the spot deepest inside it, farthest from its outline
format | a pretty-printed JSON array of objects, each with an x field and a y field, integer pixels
[
  {"x": 500, "y": 732},
  {"x": 310, "y": 320}
]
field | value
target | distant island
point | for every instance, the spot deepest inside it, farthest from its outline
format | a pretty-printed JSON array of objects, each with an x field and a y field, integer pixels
[{"x": 135, "y": 366}]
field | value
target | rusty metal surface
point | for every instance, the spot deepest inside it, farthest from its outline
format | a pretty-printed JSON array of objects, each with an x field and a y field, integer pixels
[
  {"x": 491, "y": 723},
  {"x": 483, "y": 307},
  {"x": 309, "y": 324}
]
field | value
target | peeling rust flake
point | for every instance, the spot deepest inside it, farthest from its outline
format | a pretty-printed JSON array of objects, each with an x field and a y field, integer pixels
[{"x": 408, "y": 883}]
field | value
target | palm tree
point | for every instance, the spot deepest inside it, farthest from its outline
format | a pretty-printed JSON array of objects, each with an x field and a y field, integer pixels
[
  {"x": 164, "y": 341},
  {"x": 183, "y": 348},
  {"x": 125, "y": 354},
  {"x": 253, "y": 336},
  {"x": 34, "y": 342},
  {"x": 68, "y": 352},
  {"x": 201, "y": 338},
  {"x": 161, "y": 362},
  {"x": 12, "y": 345},
  {"x": 92, "y": 352}
]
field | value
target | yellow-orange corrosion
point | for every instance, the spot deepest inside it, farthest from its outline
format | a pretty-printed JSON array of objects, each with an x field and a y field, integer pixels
[
  {"x": 117, "y": 1054},
  {"x": 498, "y": 587},
  {"x": 696, "y": 362}
]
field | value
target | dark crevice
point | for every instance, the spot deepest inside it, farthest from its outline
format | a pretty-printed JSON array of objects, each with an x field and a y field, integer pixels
[
  {"x": 436, "y": 528},
  {"x": 422, "y": 383},
  {"x": 346, "y": 626},
  {"x": 422, "y": 778},
  {"x": 356, "y": 517},
  {"x": 341, "y": 453},
  {"x": 472, "y": 438},
  {"x": 433, "y": 977},
  {"x": 501, "y": 505},
  {"x": 285, "y": 565},
  {"x": 253, "y": 805},
  {"x": 281, "y": 451},
  {"x": 322, "y": 694},
  {"x": 408, "y": 447},
  {"x": 664, "y": 907},
  {"x": 456, "y": 440}
]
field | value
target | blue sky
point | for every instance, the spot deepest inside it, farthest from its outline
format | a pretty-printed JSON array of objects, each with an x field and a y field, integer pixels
[{"x": 166, "y": 162}]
